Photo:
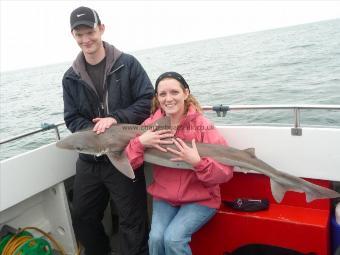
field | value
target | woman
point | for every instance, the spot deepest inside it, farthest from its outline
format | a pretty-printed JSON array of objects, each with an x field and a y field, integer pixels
[{"x": 183, "y": 200}]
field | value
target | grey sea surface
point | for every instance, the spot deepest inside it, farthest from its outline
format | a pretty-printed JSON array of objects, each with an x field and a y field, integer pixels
[{"x": 292, "y": 65}]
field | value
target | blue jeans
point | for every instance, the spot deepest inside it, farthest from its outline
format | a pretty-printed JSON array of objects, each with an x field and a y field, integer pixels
[{"x": 172, "y": 227}]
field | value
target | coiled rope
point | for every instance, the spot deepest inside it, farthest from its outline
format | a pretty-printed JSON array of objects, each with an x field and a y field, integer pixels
[{"x": 23, "y": 238}]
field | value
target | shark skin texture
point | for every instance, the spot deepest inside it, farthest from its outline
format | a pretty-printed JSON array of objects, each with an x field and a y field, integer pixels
[{"x": 114, "y": 140}]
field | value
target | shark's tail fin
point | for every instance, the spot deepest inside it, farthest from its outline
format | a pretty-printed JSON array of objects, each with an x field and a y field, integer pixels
[
  {"x": 319, "y": 192},
  {"x": 314, "y": 191}
]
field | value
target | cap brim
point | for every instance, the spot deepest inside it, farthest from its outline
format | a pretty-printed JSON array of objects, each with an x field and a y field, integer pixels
[{"x": 83, "y": 23}]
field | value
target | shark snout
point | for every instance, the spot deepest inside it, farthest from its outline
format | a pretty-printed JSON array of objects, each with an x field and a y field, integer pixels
[
  {"x": 80, "y": 145},
  {"x": 65, "y": 145}
]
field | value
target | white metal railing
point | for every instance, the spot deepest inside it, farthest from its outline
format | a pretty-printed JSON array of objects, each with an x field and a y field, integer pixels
[
  {"x": 44, "y": 127},
  {"x": 221, "y": 111}
]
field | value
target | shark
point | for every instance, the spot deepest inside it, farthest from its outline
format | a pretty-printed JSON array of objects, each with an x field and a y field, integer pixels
[{"x": 114, "y": 140}]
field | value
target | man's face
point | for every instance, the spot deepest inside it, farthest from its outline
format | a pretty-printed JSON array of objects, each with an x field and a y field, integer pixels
[{"x": 89, "y": 39}]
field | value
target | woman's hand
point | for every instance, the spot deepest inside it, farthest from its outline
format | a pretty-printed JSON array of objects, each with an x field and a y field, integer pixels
[
  {"x": 152, "y": 138},
  {"x": 101, "y": 124},
  {"x": 185, "y": 153}
]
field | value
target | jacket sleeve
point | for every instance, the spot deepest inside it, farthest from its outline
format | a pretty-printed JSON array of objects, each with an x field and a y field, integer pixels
[
  {"x": 142, "y": 93},
  {"x": 135, "y": 150},
  {"x": 208, "y": 170},
  {"x": 73, "y": 119},
  {"x": 135, "y": 153}
]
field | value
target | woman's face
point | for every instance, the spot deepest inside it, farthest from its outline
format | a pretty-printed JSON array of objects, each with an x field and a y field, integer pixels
[{"x": 171, "y": 96}]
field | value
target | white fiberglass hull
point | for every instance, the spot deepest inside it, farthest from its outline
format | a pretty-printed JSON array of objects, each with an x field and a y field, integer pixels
[{"x": 32, "y": 192}]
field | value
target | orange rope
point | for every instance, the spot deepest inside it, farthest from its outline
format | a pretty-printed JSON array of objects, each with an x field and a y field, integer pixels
[
  {"x": 55, "y": 243},
  {"x": 14, "y": 243}
]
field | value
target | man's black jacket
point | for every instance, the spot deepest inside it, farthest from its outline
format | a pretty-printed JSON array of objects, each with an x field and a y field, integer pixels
[
  {"x": 127, "y": 99},
  {"x": 127, "y": 92}
]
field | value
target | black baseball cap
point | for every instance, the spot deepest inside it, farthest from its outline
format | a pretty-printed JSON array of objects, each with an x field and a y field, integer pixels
[
  {"x": 84, "y": 16},
  {"x": 173, "y": 75}
]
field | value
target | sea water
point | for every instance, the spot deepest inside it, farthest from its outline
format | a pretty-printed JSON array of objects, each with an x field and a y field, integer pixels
[{"x": 292, "y": 65}]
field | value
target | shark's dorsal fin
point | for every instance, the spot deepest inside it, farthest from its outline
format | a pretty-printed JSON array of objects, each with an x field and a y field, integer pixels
[
  {"x": 278, "y": 190},
  {"x": 162, "y": 123},
  {"x": 121, "y": 162},
  {"x": 251, "y": 152}
]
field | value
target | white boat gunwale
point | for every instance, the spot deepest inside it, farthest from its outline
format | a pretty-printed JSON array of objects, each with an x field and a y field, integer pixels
[{"x": 39, "y": 198}]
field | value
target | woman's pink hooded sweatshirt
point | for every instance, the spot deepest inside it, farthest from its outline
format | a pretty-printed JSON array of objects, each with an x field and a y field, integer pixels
[{"x": 178, "y": 186}]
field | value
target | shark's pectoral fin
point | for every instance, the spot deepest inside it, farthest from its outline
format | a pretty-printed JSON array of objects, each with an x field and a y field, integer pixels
[
  {"x": 278, "y": 190},
  {"x": 121, "y": 162}
]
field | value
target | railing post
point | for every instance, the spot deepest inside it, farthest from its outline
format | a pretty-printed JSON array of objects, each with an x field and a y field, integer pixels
[
  {"x": 296, "y": 130},
  {"x": 221, "y": 109},
  {"x": 57, "y": 134}
]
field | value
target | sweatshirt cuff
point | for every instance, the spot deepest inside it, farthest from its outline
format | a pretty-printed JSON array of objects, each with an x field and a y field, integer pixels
[
  {"x": 115, "y": 116},
  {"x": 137, "y": 145},
  {"x": 202, "y": 165}
]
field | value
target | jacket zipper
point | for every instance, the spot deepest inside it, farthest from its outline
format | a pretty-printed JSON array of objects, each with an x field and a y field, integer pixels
[
  {"x": 101, "y": 105},
  {"x": 105, "y": 102}
]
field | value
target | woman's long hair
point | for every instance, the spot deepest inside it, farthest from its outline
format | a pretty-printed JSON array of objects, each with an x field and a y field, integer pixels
[{"x": 191, "y": 100}]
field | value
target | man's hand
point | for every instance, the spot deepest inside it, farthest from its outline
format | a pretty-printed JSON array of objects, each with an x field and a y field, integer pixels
[{"x": 101, "y": 124}]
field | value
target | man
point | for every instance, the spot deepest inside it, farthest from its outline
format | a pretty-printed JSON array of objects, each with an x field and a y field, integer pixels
[{"x": 102, "y": 88}]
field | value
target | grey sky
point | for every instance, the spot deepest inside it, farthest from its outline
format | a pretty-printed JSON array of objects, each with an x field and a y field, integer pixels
[{"x": 36, "y": 33}]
